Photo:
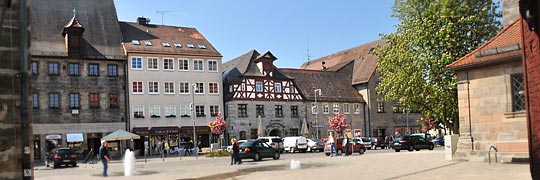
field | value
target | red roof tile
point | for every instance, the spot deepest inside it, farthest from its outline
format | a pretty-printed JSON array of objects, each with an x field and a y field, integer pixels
[{"x": 510, "y": 35}]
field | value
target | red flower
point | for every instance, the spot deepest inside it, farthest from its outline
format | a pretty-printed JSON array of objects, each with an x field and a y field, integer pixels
[
  {"x": 338, "y": 123},
  {"x": 218, "y": 126}
]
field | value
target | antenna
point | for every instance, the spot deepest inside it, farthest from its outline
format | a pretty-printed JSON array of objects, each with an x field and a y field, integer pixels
[
  {"x": 307, "y": 48},
  {"x": 162, "y": 13}
]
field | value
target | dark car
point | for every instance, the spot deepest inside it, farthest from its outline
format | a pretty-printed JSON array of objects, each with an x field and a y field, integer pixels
[
  {"x": 438, "y": 140},
  {"x": 62, "y": 156},
  {"x": 357, "y": 145},
  {"x": 257, "y": 150},
  {"x": 378, "y": 142},
  {"x": 411, "y": 143}
]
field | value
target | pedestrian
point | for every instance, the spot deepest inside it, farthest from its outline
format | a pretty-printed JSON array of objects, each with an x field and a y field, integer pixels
[
  {"x": 104, "y": 156},
  {"x": 235, "y": 151},
  {"x": 332, "y": 145},
  {"x": 167, "y": 148},
  {"x": 345, "y": 144}
]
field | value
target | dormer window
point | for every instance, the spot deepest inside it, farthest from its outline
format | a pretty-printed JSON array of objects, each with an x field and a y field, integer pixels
[
  {"x": 147, "y": 43},
  {"x": 202, "y": 46},
  {"x": 166, "y": 44},
  {"x": 189, "y": 45},
  {"x": 178, "y": 45},
  {"x": 135, "y": 42}
]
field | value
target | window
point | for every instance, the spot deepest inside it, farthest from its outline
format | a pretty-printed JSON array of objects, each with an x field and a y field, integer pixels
[
  {"x": 346, "y": 109},
  {"x": 147, "y": 43},
  {"x": 135, "y": 42},
  {"x": 74, "y": 101},
  {"x": 357, "y": 108},
  {"x": 185, "y": 111},
  {"x": 138, "y": 111},
  {"x": 93, "y": 70},
  {"x": 335, "y": 108},
  {"x": 314, "y": 108},
  {"x": 242, "y": 110},
  {"x": 292, "y": 89},
  {"x": 168, "y": 64},
  {"x": 199, "y": 111},
  {"x": 165, "y": 44},
  {"x": 153, "y": 87},
  {"x": 136, "y": 63},
  {"x": 190, "y": 45},
  {"x": 294, "y": 111},
  {"x": 94, "y": 100},
  {"x": 170, "y": 111},
  {"x": 518, "y": 93},
  {"x": 53, "y": 69},
  {"x": 152, "y": 63},
  {"x": 73, "y": 69},
  {"x": 212, "y": 66},
  {"x": 169, "y": 87},
  {"x": 279, "y": 111},
  {"x": 259, "y": 110},
  {"x": 397, "y": 108},
  {"x": 183, "y": 65},
  {"x": 137, "y": 87},
  {"x": 326, "y": 109},
  {"x": 278, "y": 87},
  {"x": 202, "y": 46},
  {"x": 199, "y": 89},
  {"x": 184, "y": 88},
  {"x": 54, "y": 100},
  {"x": 198, "y": 65},
  {"x": 112, "y": 70},
  {"x": 214, "y": 110},
  {"x": 113, "y": 100},
  {"x": 35, "y": 68},
  {"x": 258, "y": 86},
  {"x": 35, "y": 100},
  {"x": 380, "y": 107},
  {"x": 213, "y": 88},
  {"x": 154, "y": 111},
  {"x": 177, "y": 45}
]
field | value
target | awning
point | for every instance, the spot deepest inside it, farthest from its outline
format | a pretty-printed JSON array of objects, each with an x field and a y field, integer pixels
[
  {"x": 142, "y": 131},
  {"x": 76, "y": 137},
  {"x": 164, "y": 130},
  {"x": 198, "y": 129}
]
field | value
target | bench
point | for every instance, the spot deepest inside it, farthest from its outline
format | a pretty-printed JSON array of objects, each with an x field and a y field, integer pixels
[{"x": 508, "y": 148}]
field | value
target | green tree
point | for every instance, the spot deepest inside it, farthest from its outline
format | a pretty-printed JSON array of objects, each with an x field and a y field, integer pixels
[{"x": 430, "y": 35}]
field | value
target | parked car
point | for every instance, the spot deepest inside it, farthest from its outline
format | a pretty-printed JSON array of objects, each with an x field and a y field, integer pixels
[
  {"x": 438, "y": 140},
  {"x": 257, "y": 150},
  {"x": 357, "y": 145},
  {"x": 378, "y": 142},
  {"x": 426, "y": 136},
  {"x": 411, "y": 143},
  {"x": 229, "y": 147},
  {"x": 366, "y": 141},
  {"x": 62, "y": 156},
  {"x": 315, "y": 145},
  {"x": 295, "y": 143},
  {"x": 274, "y": 141}
]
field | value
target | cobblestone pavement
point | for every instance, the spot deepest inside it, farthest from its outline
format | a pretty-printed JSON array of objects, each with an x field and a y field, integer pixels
[{"x": 375, "y": 164}]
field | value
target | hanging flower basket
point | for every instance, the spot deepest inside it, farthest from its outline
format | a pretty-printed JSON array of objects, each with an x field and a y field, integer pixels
[
  {"x": 218, "y": 126},
  {"x": 338, "y": 123}
]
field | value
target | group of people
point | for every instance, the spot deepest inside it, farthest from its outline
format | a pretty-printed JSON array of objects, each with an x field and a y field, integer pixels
[
  {"x": 235, "y": 156},
  {"x": 332, "y": 142}
]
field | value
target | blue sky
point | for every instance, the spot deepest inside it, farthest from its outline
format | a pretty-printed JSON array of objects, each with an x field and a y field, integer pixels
[{"x": 287, "y": 28}]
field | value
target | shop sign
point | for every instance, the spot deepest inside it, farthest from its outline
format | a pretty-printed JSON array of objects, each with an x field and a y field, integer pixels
[{"x": 53, "y": 136}]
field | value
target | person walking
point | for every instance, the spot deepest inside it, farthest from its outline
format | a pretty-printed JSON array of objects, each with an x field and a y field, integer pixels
[
  {"x": 345, "y": 144},
  {"x": 104, "y": 156},
  {"x": 167, "y": 148},
  {"x": 235, "y": 151},
  {"x": 332, "y": 145}
]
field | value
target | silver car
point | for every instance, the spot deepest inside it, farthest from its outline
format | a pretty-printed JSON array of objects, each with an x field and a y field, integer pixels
[{"x": 315, "y": 145}]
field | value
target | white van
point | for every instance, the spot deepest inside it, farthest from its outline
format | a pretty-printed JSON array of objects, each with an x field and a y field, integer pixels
[{"x": 296, "y": 143}]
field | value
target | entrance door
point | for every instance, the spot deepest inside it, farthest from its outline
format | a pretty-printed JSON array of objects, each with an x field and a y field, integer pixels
[{"x": 276, "y": 132}]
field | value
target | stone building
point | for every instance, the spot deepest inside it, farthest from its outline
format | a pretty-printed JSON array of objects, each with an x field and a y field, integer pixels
[
  {"x": 15, "y": 121},
  {"x": 381, "y": 118},
  {"x": 254, "y": 87},
  {"x": 491, "y": 97},
  {"x": 169, "y": 69},
  {"x": 333, "y": 94},
  {"x": 78, "y": 74}
]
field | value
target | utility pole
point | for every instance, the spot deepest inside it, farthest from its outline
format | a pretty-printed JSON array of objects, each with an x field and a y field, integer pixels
[{"x": 162, "y": 13}]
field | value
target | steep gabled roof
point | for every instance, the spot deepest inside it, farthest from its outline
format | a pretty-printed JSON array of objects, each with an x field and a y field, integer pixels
[
  {"x": 157, "y": 34},
  {"x": 245, "y": 65},
  {"x": 504, "y": 46},
  {"x": 101, "y": 39},
  {"x": 335, "y": 87},
  {"x": 365, "y": 64}
]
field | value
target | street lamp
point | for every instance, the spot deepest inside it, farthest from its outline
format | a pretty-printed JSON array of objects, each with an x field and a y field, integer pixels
[
  {"x": 317, "y": 112},
  {"x": 194, "y": 88},
  {"x": 406, "y": 112}
]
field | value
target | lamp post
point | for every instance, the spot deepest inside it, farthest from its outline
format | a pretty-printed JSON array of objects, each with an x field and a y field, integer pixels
[
  {"x": 406, "y": 112},
  {"x": 194, "y": 87},
  {"x": 317, "y": 112}
]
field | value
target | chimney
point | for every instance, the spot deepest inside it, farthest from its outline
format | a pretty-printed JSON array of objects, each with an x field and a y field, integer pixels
[{"x": 143, "y": 20}]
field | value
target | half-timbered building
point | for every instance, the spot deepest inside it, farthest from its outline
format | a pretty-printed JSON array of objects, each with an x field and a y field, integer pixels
[{"x": 253, "y": 88}]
